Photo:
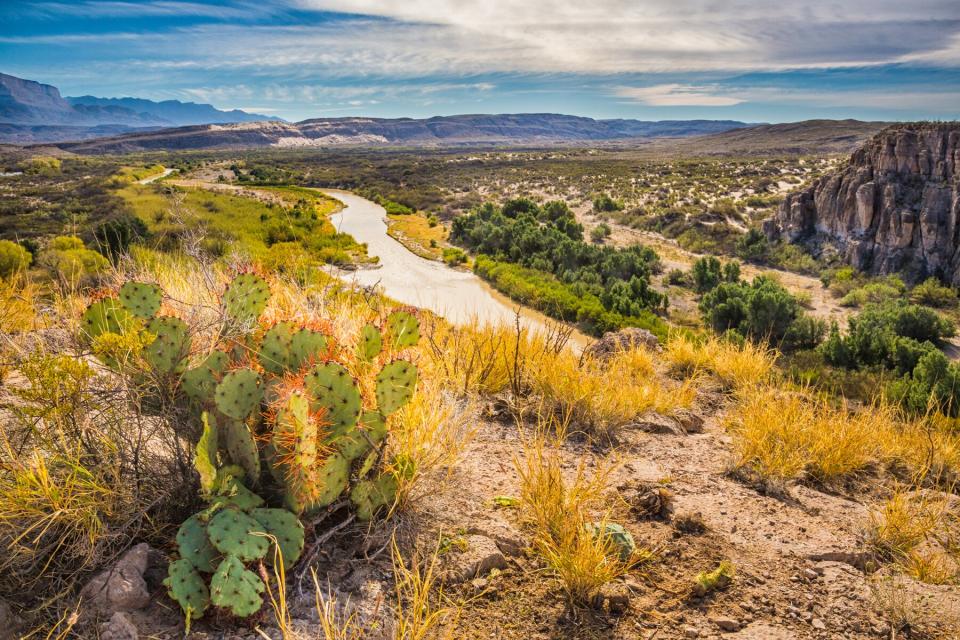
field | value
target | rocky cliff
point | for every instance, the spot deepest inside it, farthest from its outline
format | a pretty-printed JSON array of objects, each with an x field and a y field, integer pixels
[{"x": 893, "y": 207}]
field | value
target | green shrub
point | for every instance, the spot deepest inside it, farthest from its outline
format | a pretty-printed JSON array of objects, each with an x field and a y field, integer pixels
[
  {"x": 454, "y": 256},
  {"x": 605, "y": 204},
  {"x": 71, "y": 261},
  {"x": 933, "y": 293},
  {"x": 13, "y": 258},
  {"x": 600, "y": 232},
  {"x": 708, "y": 272}
]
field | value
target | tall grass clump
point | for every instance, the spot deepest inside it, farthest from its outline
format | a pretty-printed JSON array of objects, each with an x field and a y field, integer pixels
[
  {"x": 557, "y": 509},
  {"x": 736, "y": 365}
]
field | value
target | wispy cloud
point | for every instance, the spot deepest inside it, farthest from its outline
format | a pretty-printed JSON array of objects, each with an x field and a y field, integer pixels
[{"x": 677, "y": 95}]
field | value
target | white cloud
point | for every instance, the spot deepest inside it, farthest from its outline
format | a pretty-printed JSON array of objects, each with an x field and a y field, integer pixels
[{"x": 677, "y": 95}]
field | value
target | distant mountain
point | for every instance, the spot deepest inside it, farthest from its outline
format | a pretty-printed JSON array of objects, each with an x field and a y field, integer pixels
[
  {"x": 173, "y": 112},
  {"x": 528, "y": 128},
  {"x": 791, "y": 138},
  {"x": 35, "y": 112}
]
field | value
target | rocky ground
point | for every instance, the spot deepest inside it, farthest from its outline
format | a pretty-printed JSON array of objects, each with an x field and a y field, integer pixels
[{"x": 799, "y": 559}]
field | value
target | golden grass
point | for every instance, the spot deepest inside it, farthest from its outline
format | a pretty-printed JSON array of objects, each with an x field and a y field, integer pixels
[
  {"x": 423, "y": 611},
  {"x": 782, "y": 435},
  {"x": 429, "y": 434},
  {"x": 735, "y": 367},
  {"x": 557, "y": 509},
  {"x": 415, "y": 233},
  {"x": 601, "y": 397}
]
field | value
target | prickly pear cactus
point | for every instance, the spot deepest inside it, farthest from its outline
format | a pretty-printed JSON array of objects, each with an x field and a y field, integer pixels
[
  {"x": 286, "y": 529},
  {"x": 245, "y": 298},
  {"x": 187, "y": 587},
  {"x": 200, "y": 383},
  {"x": 275, "y": 349},
  {"x": 105, "y": 316},
  {"x": 307, "y": 346},
  {"x": 239, "y": 393},
  {"x": 371, "y": 343},
  {"x": 402, "y": 329},
  {"x": 194, "y": 545},
  {"x": 396, "y": 383},
  {"x": 168, "y": 351},
  {"x": 232, "y": 532},
  {"x": 336, "y": 393},
  {"x": 241, "y": 446},
  {"x": 236, "y": 588},
  {"x": 369, "y": 496},
  {"x": 141, "y": 299},
  {"x": 620, "y": 539}
]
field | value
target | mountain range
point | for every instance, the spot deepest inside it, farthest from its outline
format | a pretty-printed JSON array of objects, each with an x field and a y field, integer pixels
[{"x": 35, "y": 112}]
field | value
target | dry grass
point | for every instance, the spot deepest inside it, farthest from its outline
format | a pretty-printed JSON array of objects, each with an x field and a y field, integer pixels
[
  {"x": 557, "y": 509},
  {"x": 429, "y": 434},
  {"x": 735, "y": 367},
  {"x": 782, "y": 435},
  {"x": 578, "y": 391},
  {"x": 423, "y": 611}
]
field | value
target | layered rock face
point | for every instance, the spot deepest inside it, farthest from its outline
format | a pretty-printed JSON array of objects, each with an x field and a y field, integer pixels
[{"x": 894, "y": 207}]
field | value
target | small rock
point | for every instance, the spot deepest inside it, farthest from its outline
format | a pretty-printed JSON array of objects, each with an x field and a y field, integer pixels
[
  {"x": 119, "y": 627},
  {"x": 725, "y": 623},
  {"x": 691, "y": 632},
  {"x": 810, "y": 574},
  {"x": 614, "y": 342},
  {"x": 480, "y": 557},
  {"x": 648, "y": 499},
  {"x": 818, "y": 624},
  {"x": 479, "y": 584},
  {"x": 616, "y": 598},
  {"x": 121, "y": 587},
  {"x": 688, "y": 420},
  {"x": 653, "y": 422}
]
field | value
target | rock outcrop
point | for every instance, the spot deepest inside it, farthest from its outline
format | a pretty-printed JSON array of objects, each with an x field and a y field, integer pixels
[{"x": 894, "y": 206}]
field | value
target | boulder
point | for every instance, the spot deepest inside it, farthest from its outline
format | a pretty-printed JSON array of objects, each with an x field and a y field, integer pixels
[
  {"x": 122, "y": 586},
  {"x": 480, "y": 555},
  {"x": 119, "y": 627},
  {"x": 614, "y": 342}
]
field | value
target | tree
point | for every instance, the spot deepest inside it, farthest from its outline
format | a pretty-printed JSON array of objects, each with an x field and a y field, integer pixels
[
  {"x": 600, "y": 232},
  {"x": 13, "y": 258}
]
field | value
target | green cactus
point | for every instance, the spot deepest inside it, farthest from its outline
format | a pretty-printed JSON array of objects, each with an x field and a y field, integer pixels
[
  {"x": 369, "y": 496},
  {"x": 200, "y": 382},
  {"x": 286, "y": 528},
  {"x": 396, "y": 383},
  {"x": 186, "y": 586},
  {"x": 620, "y": 539},
  {"x": 371, "y": 429},
  {"x": 241, "y": 446},
  {"x": 333, "y": 478},
  {"x": 245, "y": 298},
  {"x": 307, "y": 346},
  {"x": 194, "y": 545},
  {"x": 371, "y": 343},
  {"x": 205, "y": 455},
  {"x": 402, "y": 329},
  {"x": 239, "y": 393},
  {"x": 274, "y": 355},
  {"x": 232, "y": 532},
  {"x": 235, "y": 588},
  {"x": 106, "y": 316},
  {"x": 295, "y": 450},
  {"x": 337, "y": 393},
  {"x": 233, "y": 493},
  {"x": 168, "y": 352},
  {"x": 141, "y": 299}
]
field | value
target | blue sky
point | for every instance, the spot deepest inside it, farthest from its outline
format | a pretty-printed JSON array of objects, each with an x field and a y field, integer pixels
[{"x": 752, "y": 60}]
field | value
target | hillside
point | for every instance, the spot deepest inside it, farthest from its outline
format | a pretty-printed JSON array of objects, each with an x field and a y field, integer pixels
[
  {"x": 442, "y": 130},
  {"x": 31, "y": 112},
  {"x": 805, "y": 137}
]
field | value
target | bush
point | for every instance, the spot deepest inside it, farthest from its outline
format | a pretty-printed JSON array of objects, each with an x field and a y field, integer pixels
[
  {"x": 752, "y": 246},
  {"x": 933, "y": 293},
  {"x": 71, "y": 261},
  {"x": 13, "y": 258},
  {"x": 709, "y": 272},
  {"x": 453, "y": 256},
  {"x": 761, "y": 310},
  {"x": 600, "y": 232},
  {"x": 114, "y": 236},
  {"x": 679, "y": 278},
  {"x": 605, "y": 204}
]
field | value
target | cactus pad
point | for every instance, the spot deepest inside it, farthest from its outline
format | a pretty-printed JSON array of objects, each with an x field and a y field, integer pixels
[
  {"x": 356, "y": 442},
  {"x": 396, "y": 383},
  {"x": 332, "y": 479},
  {"x": 141, "y": 299},
  {"x": 235, "y": 588},
  {"x": 335, "y": 391},
  {"x": 286, "y": 528},
  {"x": 232, "y": 533},
  {"x": 402, "y": 329},
  {"x": 200, "y": 382},
  {"x": 187, "y": 587},
  {"x": 239, "y": 393},
  {"x": 371, "y": 342},
  {"x": 619, "y": 538},
  {"x": 241, "y": 446},
  {"x": 205, "y": 455},
  {"x": 369, "y": 496},
  {"x": 295, "y": 450},
  {"x": 246, "y": 297},
  {"x": 234, "y": 493},
  {"x": 275, "y": 348},
  {"x": 194, "y": 545},
  {"x": 306, "y": 346},
  {"x": 105, "y": 316},
  {"x": 168, "y": 352}
]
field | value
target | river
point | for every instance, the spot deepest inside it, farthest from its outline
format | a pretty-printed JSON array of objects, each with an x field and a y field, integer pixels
[{"x": 459, "y": 296}]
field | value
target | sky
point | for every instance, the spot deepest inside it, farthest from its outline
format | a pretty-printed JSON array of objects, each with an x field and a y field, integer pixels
[{"x": 750, "y": 60}]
